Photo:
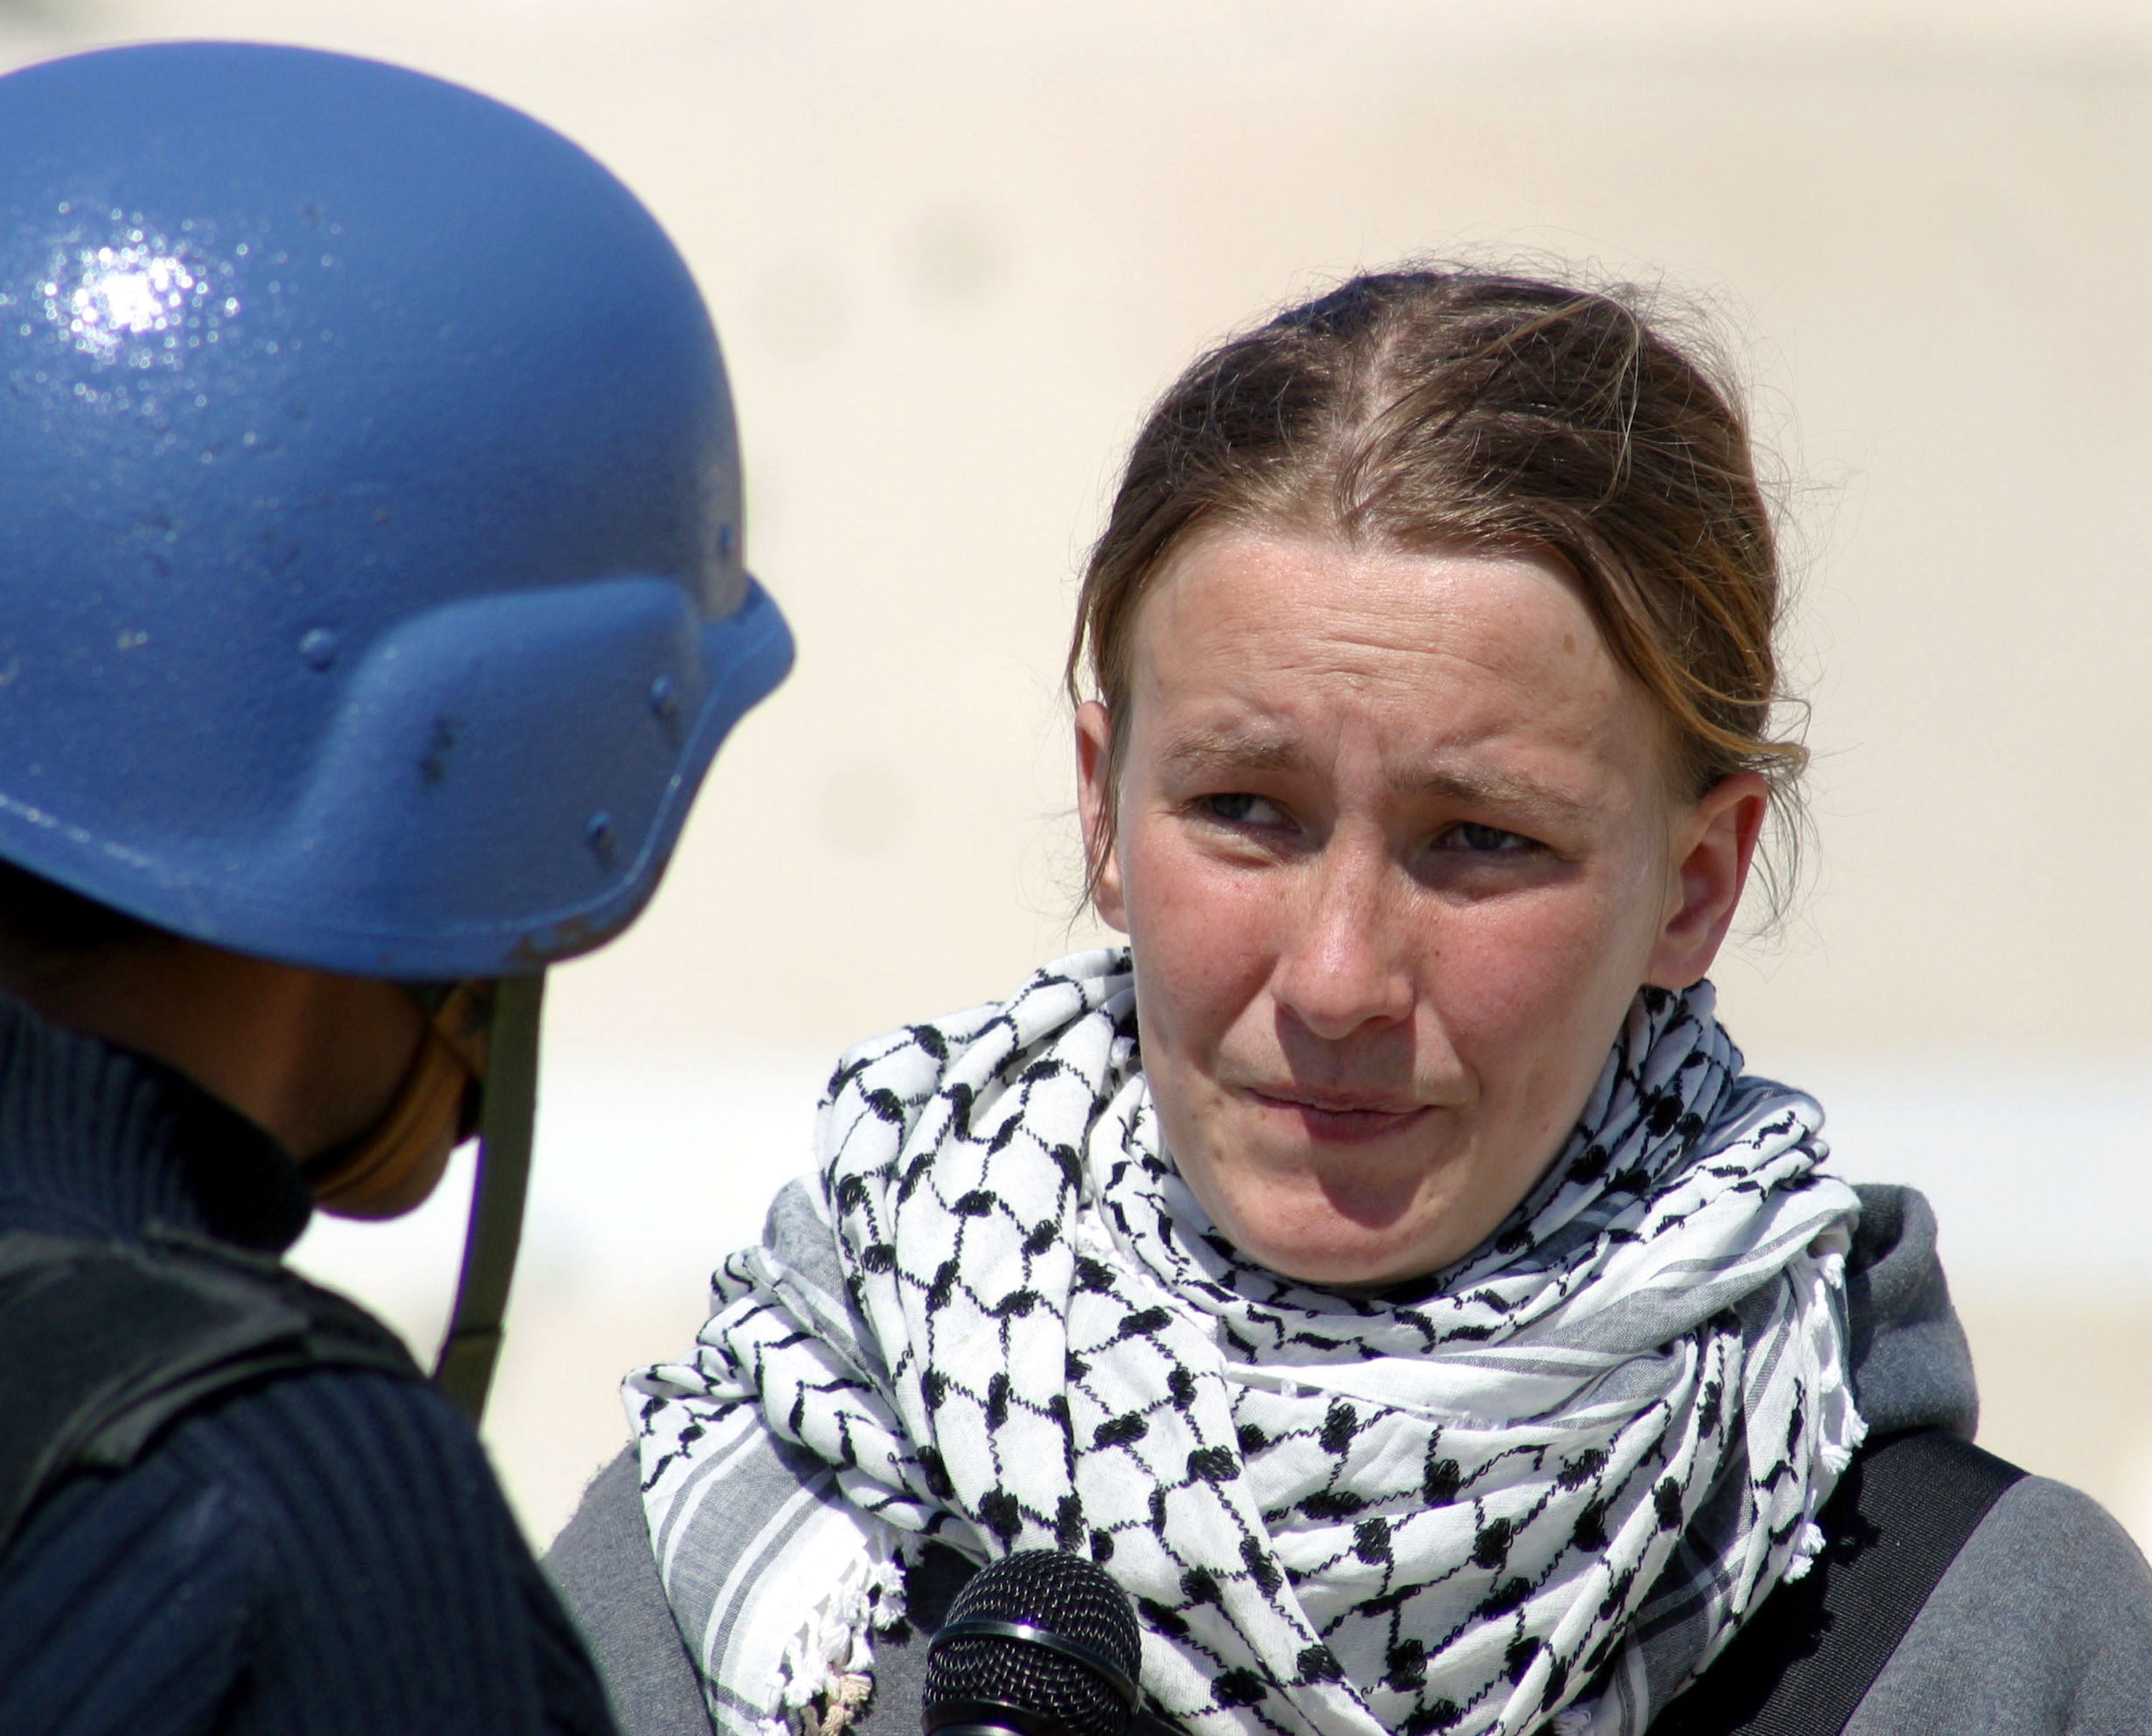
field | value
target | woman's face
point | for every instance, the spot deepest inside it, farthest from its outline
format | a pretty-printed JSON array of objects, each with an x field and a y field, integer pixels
[{"x": 1395, "y": 849}]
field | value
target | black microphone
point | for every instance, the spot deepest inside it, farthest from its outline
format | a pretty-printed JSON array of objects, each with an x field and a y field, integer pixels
[{"x": 1039, "y": 1643}]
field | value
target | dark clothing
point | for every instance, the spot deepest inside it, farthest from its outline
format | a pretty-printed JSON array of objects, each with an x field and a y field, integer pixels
[
  {"x": 324, "y": 1552},
  {"x": 2041, "y": 1626}
]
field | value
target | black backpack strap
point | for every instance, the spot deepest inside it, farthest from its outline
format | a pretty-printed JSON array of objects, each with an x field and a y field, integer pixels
[
  {"x": 1802, "y": 1664},
  {"x": 103, "y": 1345}
]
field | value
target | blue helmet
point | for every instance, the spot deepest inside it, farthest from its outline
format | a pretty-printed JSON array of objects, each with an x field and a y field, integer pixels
[{"x": 371, "y": 583}]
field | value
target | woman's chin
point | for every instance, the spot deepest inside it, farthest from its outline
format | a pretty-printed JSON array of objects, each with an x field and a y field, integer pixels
[
  {"x": 1346, "y": 1269},
  {"x": 1315, "y": 1243},
  {"x": 1340, "y": 1218}
]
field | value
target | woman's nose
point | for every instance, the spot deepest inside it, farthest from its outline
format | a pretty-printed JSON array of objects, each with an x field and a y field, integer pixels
[{"x": 1342, "y": 965}]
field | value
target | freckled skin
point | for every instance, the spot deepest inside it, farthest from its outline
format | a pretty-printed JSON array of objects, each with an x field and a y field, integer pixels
[{"x": 1395, "y": 848}]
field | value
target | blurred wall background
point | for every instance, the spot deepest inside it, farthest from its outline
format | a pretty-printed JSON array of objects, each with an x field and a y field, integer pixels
[{"x": 953, "y": 249}]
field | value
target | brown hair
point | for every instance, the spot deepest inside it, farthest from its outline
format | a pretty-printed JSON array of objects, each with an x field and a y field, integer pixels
[{"x": 1458, "y": 408}]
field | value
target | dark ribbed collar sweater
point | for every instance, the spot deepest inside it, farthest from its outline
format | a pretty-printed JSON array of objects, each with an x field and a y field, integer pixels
[
  {"x": 98, "y": 1141},
  {"x": 326, "y": 1552}
]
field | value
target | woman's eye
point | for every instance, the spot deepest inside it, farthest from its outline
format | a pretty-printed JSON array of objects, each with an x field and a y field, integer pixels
[
  {"x": 1470, "y": 835},
  {"x": 1237, "y": 808}
]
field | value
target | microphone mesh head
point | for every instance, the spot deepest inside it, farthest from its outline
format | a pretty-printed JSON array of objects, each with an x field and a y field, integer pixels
[{"x": 1064, "y": 1595}]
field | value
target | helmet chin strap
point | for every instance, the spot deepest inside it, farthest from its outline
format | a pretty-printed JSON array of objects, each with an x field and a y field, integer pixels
[
  {"x": 397, "y": 1162},
  {"x": 507, "y": 1113}
]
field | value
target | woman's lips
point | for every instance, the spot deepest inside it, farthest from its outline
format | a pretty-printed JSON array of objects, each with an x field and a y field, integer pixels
[{"x": 1341, "y": 1118}]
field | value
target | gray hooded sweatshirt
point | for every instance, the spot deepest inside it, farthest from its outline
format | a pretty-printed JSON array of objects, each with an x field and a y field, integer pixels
[{"x": 2041, "y": 1626}]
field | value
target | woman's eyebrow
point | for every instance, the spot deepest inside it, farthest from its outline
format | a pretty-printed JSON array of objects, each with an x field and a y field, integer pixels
[
  {"x": 1225, "y": 748},
  {"x": 1482, "y": 786}
]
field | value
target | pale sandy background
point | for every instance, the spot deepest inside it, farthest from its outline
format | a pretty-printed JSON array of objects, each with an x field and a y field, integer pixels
[{"x": 953, "y": 249}]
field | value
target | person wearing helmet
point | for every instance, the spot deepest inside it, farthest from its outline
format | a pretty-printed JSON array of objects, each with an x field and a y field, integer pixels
[{"x": 372, "y": 605}]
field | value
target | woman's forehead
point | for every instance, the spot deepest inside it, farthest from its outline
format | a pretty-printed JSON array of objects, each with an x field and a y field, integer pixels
[
  {"x": 1262, "y": 606},
  {"x": 1265, "y": 650}
]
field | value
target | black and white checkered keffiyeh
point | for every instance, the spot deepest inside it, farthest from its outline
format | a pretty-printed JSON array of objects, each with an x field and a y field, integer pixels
[{"x": 1539, "y": 1493}]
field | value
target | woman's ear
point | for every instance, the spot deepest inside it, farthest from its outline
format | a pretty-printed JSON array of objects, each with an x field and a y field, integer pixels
[
  {"x": 1713, "y": 845},
  {"x": 1095, "y": 810}
]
